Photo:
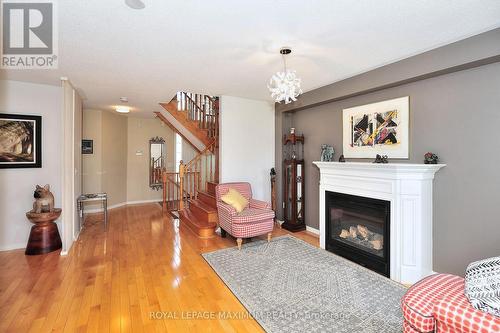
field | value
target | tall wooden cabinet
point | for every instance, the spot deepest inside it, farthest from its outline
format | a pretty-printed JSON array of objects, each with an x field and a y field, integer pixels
[{"x": 293, "y": 182}]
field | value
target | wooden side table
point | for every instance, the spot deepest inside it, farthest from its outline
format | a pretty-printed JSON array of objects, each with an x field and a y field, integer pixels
[{"x": 44, "y": 235}]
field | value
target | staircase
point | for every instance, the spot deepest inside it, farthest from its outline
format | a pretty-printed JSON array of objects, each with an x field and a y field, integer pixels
[{"x": 190, "y": 193}]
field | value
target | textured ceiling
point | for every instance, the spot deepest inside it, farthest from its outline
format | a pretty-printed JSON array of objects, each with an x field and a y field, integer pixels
[{"x": 231, "y": 47}]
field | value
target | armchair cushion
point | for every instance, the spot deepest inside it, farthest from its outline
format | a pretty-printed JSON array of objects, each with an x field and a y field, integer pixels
[
  {"x": 251, "y": 215},
  {"x": 235, "y": 199},
  {"x": 227, "y": 209},
  {"x": 259, "y": 204}
]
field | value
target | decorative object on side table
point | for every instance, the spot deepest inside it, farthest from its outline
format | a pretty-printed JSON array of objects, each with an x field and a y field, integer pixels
[
  {"x": 293, "y": 182},
  {"x": 431, "y": 158},
  {"x": 327, "y": 153},
  {"x": 342, "y": 159},
  {"x": 381, "y": 159},
  {"x": 20, "y": 141},
  {"x": 44, "y": 236}
]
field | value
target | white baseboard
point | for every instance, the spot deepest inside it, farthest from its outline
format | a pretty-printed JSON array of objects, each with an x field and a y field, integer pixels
[
  {"x": 15, "y": 246},
  {"x": 313, "y": 230},
  {"x": 121, "y": 204}
]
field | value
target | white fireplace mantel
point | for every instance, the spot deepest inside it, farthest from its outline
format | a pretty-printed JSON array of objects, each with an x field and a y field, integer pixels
[{"x": 408, "y": 187}]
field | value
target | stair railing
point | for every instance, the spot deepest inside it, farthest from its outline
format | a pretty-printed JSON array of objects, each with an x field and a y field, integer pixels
[
  {"x": 179, "y": 187},
  {"x": 201, "y": 108},
  {"x": 173, "y": 186}
]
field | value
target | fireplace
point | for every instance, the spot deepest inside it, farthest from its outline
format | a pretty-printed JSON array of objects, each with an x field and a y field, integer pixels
[{"x": 357, "y": 228}]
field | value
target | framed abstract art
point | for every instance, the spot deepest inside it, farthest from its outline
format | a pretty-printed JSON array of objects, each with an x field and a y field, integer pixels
[{"x": 377, "y": 128}]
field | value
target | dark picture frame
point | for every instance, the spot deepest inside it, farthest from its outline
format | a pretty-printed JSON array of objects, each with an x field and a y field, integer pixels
[
  {"x": 20, "y": 141},
  {"x": 87, "y": 146}
]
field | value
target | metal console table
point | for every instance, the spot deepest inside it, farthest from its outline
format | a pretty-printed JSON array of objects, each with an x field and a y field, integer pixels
[{"x": 85, "y": 198}]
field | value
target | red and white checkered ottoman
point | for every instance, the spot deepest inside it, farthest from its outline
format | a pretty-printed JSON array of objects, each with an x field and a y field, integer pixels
[{"x": 438, "y": 304}]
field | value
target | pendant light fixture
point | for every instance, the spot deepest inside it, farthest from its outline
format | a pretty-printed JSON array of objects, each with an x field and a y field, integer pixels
[{"x": 285, "y": 86}]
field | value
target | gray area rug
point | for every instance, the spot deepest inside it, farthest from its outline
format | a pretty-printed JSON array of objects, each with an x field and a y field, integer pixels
[{"x": 288, "y": 285}]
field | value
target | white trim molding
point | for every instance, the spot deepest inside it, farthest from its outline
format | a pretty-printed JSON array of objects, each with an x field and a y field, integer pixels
[
  {"x": 312, "y": 230},
  {"x": 408, "y": 188},
  {"x": 121, "y": 204}
]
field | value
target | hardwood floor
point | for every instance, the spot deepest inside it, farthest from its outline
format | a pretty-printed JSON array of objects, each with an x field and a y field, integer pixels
[{"x": 113, "y": 281}]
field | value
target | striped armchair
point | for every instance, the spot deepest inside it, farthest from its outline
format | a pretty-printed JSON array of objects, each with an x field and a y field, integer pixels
[{"x": 255, "y": 220}]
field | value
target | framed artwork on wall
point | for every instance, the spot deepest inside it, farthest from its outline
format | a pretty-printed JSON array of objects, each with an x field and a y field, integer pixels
[
  {"x": 377, "y": 128},
  {"x": 87, "y": 146},
  {"x": 20, "y": 141}
]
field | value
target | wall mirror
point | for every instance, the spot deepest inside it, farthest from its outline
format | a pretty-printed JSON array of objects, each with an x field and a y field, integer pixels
[{"x": 156, "y": 162}]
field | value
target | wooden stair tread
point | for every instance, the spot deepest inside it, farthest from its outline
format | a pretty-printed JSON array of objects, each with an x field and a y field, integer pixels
[
  {"x": 202, "y": 229},
  {"x": 208, "y": 198},
  {"x": 203, "y": 211},
  {"x": 203, "y": 206}
]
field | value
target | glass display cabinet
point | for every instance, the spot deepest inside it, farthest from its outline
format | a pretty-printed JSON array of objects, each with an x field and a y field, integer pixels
[{"x": 293, "y": 182}]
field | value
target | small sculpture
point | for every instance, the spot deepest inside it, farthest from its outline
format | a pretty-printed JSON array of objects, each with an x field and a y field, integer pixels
[
  {"x": 327, "y": 153},
  {"x": 341, "y": 159},
  {"x": 272, "y": 173},
  {"x": 381, "y": 159},
  {"x": 44, "y": 200},
  {"x": 430, "y": 158}
]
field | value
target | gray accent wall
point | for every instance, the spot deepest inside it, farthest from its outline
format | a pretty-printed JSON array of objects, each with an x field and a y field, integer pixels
[{"x": 456, "y": 116}]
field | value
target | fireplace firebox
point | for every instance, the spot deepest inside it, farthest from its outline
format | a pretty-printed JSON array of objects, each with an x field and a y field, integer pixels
[{"x": 357, "y": 228}]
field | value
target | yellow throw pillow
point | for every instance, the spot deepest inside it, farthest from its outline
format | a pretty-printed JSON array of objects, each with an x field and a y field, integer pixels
[{"x": 235, "y": 199}]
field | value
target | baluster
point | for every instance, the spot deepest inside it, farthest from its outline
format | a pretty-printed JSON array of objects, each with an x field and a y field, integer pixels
[
  {"x": 192, "y": 185},
  {"x": 210, "y": 158},
  {"x": 177, "y": 188},
  {"x": 199, "y": 173},
  {"x": 181, "y": 185},
  {"x": 164, "y": 182}
]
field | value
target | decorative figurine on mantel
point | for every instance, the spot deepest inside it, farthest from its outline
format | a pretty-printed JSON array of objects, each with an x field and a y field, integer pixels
[
  {"x": 44, "y": 235},
  {"x": 431, "y": 158},
  {"x": 381, "y": 159},
  {"x": 342, "y": 158},
  {"x": 327, "y": 153}
]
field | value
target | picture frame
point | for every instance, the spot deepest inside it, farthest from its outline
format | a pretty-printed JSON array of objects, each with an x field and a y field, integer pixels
[
  {"x": 378, "y": 128},
  {"x": 20, "y": 141},
  {"x": 87, "y": 146}
]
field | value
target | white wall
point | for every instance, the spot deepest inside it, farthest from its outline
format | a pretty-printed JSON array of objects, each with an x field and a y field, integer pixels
[
  {"x": 247, "y": 143},
  {"x": 17, "y": 185}
]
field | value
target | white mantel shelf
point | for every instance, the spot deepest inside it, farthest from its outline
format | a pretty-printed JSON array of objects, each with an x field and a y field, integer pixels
[{"x": 408, "y": 187}]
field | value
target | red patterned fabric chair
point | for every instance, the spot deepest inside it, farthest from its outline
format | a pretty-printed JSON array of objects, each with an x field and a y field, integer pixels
[
  {"x": 255, "y": 220},
  {"x": 438, "y": 304}
]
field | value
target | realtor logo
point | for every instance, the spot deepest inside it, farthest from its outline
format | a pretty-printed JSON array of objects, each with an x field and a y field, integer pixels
[{"x": 28, "y": 35}]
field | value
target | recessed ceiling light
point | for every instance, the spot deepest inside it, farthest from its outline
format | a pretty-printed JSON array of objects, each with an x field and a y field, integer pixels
[
  {"x": 122, "y": 109},
  {"x": 135, "y": 4}
]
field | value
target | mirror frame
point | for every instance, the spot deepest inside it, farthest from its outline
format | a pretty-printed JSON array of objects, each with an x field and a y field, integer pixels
[{"x": 156, "y": 140}]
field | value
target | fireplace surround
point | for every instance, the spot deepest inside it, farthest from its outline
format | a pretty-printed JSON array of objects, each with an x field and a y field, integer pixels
[{"x": 408, "y": 189}]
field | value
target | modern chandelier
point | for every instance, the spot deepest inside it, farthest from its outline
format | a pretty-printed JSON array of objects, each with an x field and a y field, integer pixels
[{"x": 285, "y": 86}]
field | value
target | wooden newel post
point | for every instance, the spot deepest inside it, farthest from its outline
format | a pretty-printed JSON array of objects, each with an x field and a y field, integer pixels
[
  {"x": 181, "y": 185},
  {"x": 164, "y": 182}
]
